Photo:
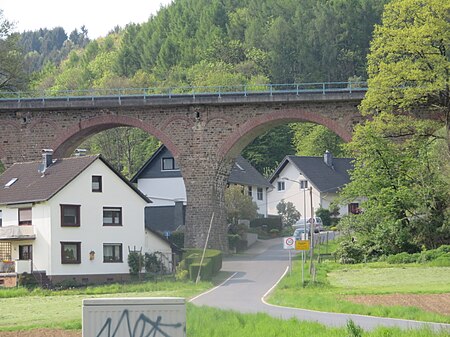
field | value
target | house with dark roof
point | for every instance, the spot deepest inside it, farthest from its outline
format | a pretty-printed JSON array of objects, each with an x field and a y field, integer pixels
[
  {"x": 160, "y": 179},
  {"x": 310, "y": 183},
  {"x": 72, "y": 219}
]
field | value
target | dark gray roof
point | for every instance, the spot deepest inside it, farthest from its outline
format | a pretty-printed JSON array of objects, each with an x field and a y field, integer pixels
[
  {"x": 243, "y": 173},
  {"x": 322, "y": 176},
  {"x": 33, "y": 186}
]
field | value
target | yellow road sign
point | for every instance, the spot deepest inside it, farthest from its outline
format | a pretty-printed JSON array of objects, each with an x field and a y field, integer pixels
[{"x": 302, "y": 245}]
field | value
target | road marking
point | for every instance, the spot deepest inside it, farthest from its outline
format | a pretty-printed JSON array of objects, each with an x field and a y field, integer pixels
[
  {"x": 211, "y": 290},
  {"x": 263, "y": 298}
]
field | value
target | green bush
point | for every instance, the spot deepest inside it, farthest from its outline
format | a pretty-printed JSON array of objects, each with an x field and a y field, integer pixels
[
  {"x": 403, "y": 258},
  {"x": 206, "y": 272},
  {"x": 177, "y": 238},
  {"x": 27, "y": 281},
  {"x": 194, "y": 256},
  {"x": 349, "y": 252},
  {"x": 233, "y": 240},
  {"x": 153, "y": 263},
  {"x": 135, "y": 262}
]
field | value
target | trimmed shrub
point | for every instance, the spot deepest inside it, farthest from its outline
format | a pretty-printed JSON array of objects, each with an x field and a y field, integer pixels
[
  {"x": 177, "y": 238},
  {"x": 206, "y": 272}
]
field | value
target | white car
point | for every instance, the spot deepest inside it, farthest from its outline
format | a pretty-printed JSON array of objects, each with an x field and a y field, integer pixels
[{"x": 318, "y": 224}]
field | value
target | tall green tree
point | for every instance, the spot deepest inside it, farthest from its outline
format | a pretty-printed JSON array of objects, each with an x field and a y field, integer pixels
[
  {"x": 313, "y": 140},
  {"x": 406, "y": 193},
  {"x": 12, "y": 76},
  {"x": 409, "y": 62},
  {"x": 239, "y": 206}
]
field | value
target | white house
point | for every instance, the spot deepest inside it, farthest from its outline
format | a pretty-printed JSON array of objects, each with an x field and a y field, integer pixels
[
  {"x": 160, "y": 179},
  {"x": 302, "y": 180},
  {"x": 73, "y": 218}
]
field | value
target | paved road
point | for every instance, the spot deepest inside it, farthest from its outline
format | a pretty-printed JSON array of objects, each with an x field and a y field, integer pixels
[{"x": 258, "y": 270}]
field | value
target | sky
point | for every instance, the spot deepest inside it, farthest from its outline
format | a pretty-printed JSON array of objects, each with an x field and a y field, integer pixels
[{"x": 99, "y": 16}]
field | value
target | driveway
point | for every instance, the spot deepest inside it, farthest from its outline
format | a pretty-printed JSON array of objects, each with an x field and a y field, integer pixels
[{"x": 257, "y": 271}]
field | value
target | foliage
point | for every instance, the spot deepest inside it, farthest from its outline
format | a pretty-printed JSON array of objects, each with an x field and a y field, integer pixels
[
  {"x": 239, "y": 205},
  {"x": 404, "y": 183},
  {"x": 353, "y": 330},
  {"x": 135, "y": 262},
  {"x": 126, "y": 148},
  {"x": 288, "y": 213},
  {"x": 154, "y": 263},
  {"x": 409, "y": 64},
  {"x": 12, "y": 76},
  {"x": 269, "y": 149},
  {"x": 313, "y": 140},
  {"x": 349, "y": 252},
  {"x": 177, "y": 238}
]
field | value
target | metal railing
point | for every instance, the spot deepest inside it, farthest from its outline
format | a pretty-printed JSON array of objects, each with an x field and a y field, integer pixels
[{"x": 187, "y": 91}]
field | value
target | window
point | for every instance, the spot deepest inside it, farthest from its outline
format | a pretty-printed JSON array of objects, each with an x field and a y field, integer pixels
[
  {"x": 168, "y": 164},
  {"x": 353, "y": 208},
  {"x": 303, "y": 184},
  {"x": 259, "y": 193},
  {"x": 250, "y": 192},
  {"x": 1, "y": 218},
  {"x": 70, "y": 252},
  {"x": 96, "y": 183},
  {"x": 112, "y": 216},
  {"x": 280, "y": 186},
  {"x": 70, "y": 215},
  {"x": 24, "y": 216},
  {"x": 112, "y": 252},
  {"x": 25, "y": 252}
]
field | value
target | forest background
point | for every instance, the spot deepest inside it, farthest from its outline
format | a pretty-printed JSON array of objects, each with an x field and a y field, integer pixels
[{"x": 210, "y": 43}]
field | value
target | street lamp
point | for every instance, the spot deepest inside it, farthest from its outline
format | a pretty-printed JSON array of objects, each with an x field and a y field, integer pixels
[{"x": 304, "y": 200}]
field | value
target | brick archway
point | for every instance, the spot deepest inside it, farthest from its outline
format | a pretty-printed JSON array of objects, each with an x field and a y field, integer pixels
[
  {"x": 241, "y": 137},
  {"x": 68, "y": 141}
]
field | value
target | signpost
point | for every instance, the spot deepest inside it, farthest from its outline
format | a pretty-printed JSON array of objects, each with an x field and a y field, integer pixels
[{"x": 289, "y": 243}]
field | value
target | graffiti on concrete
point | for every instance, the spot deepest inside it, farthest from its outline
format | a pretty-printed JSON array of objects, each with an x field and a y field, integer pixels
[{"x": 143, "y": 327}]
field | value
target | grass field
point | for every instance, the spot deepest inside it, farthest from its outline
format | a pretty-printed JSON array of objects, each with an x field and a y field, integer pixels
[{"x": 335, "y": 282}]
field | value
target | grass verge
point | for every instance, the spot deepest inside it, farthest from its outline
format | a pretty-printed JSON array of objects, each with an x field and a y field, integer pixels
[{"x": 334, "y": 282}]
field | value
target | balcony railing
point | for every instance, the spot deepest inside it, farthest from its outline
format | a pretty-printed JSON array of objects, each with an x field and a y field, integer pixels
[{"x": 17, "y": 233}]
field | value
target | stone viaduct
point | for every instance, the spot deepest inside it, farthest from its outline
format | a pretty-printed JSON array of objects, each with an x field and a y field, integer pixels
[{"x": 205, "y": 133}]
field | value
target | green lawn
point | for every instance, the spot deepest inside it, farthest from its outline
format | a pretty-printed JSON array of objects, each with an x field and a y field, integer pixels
[{"x": 334, "y": 281}]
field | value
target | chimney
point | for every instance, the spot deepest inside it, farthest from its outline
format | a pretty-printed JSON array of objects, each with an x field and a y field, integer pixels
[
  {"x": 47, "y": 158},
  {"x": 328, "y": 158}
]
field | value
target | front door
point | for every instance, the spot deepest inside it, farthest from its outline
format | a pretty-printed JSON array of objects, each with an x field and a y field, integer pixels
[{"x": 25, "y": 252}]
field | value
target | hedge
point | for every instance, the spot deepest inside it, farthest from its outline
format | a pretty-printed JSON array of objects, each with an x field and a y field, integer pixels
[
  {"x": 194, "y": 256},
  {"x": 206, "y": 273}
]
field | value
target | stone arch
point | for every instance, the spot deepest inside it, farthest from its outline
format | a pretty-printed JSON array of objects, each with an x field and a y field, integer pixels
[
  {"x": 248, "y": 131},
  {"x": 68, "y": 141}
]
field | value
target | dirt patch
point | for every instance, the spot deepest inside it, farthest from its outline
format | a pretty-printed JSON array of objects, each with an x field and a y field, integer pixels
[
  {"x": 42, "y": 333},
  {"x": 438, "y": 303}
]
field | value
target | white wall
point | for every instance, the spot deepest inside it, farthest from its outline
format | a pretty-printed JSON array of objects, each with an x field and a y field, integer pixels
[
  {"x": 293, "y": 193},
  {"x": 262, "y": 204},
  {"x": 91, "y": 233},
  {"x": 163, "y": 191}
]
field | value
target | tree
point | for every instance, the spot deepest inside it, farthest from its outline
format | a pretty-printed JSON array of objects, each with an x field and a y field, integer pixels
[
  {"x": 12, "y": 76},
  {"x": 402, "y": 178},
  {"x": 288, "y": 212},
  {"x": 313, "y": 140},
  {"x": 409, "y": 63},
  {"x": 239, "y": 205}
]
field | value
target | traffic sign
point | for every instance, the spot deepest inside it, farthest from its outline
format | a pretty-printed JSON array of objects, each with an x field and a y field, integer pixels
[
  {"x": 302, "y": 245},
  {"x": 289, "y": 242}
]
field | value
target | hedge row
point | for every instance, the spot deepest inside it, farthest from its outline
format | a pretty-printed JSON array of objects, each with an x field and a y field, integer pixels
[
  {"x": 269, "y": 223},
  {"x": 212, "y": 263},
  {"x": 439, "y": 256}
]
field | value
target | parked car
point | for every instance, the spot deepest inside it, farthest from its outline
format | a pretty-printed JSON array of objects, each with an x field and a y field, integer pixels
[
  {"x": 299, "y": 233},
  {"x": 318, "y": 224}
]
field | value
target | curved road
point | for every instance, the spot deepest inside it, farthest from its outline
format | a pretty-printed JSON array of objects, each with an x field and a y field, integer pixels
[{"x": 257, "y": 271}]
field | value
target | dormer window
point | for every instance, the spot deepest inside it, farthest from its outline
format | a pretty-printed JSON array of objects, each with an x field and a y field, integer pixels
[
  {"x": 169, "y": 164},
  {"x": 9, "y": 183},
  {"x": 96, "y": 183}
]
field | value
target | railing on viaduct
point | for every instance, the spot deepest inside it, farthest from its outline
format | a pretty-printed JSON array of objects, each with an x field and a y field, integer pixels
[{"x": 123, "y": 94}]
